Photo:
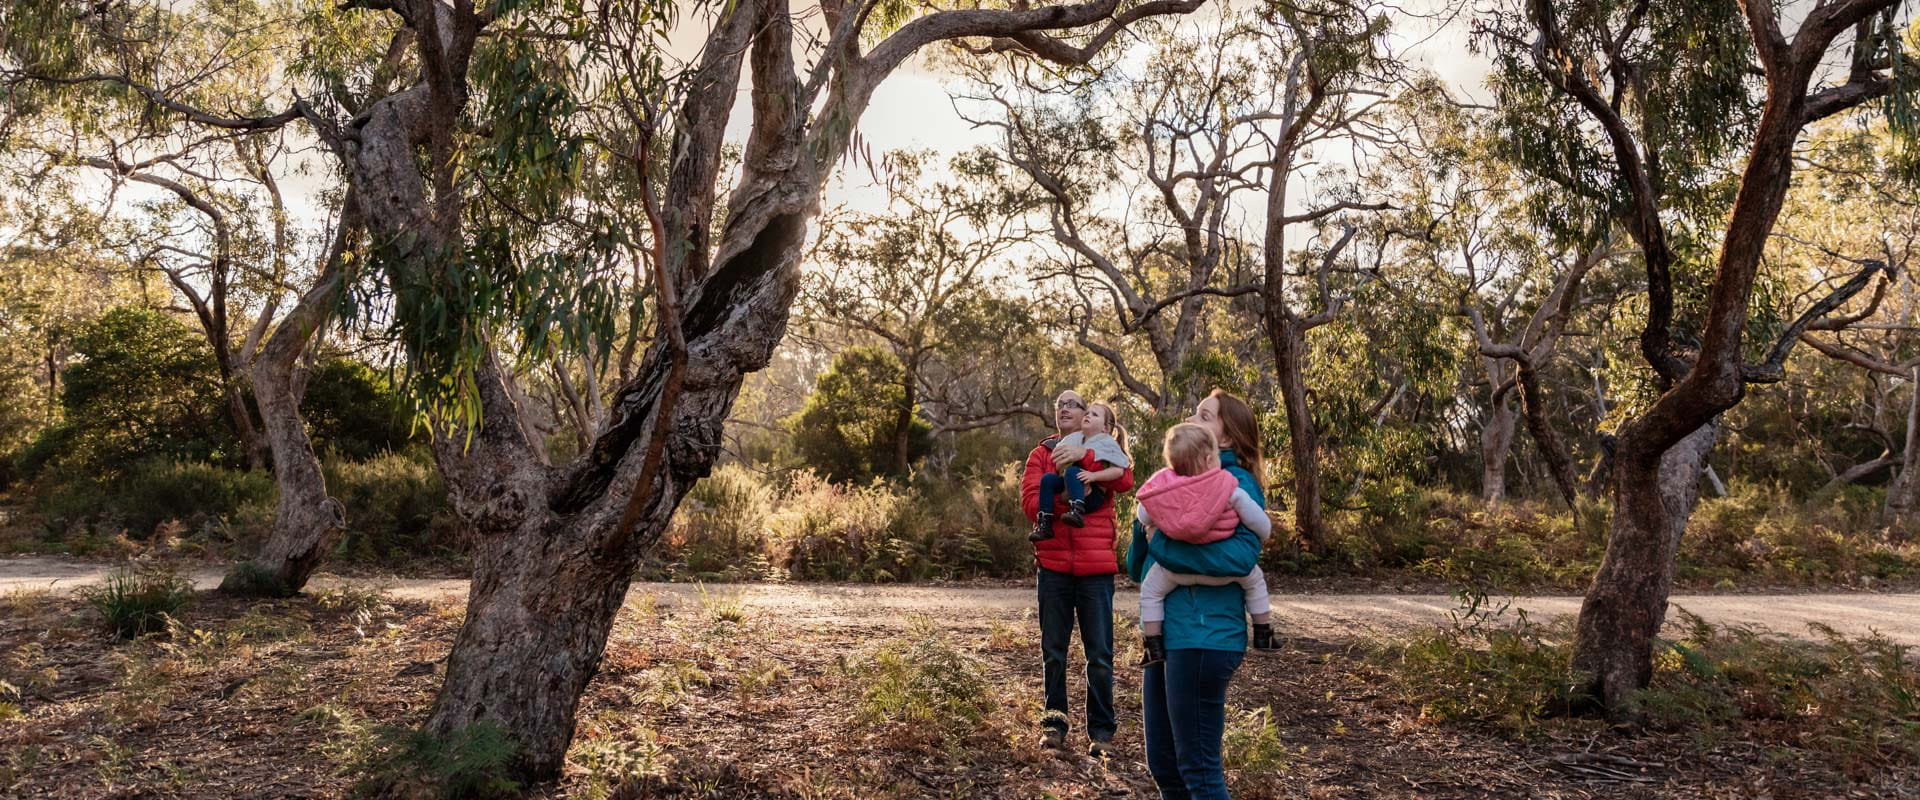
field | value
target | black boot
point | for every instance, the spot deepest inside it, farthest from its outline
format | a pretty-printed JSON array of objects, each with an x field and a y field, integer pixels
[
  {"x": 1076, "y": 515},
  {"x": 1042, "y": 527},
  {"x": 1153, "y": 650},
  {"x": 1263, "y": 637}
]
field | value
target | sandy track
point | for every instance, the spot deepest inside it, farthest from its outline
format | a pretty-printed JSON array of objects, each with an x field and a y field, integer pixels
[{"x": 1895, "y": 615}]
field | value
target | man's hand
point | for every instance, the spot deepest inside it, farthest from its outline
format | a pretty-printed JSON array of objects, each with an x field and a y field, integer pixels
[{"x": 1067, "y": 455}]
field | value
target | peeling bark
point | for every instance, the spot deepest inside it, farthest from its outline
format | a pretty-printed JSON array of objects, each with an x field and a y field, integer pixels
[
  {"x": 305, "y": 517},
  {"x": 1496, "y": 443}
]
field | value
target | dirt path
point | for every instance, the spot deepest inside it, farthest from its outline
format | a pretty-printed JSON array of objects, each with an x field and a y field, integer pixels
[{"x": 1895, "y": 615}]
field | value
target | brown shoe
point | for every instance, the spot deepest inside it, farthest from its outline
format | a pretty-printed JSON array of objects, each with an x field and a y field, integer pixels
[
  {"x": 1042, "y": 528},
  {"x": 1053, "y": 739}
]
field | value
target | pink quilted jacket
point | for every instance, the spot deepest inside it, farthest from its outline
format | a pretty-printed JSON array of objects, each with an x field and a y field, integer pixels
[{"x": 1191, "y": 508}]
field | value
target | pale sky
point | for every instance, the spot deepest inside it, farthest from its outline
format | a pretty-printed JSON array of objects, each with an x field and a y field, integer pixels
[{"x": 912, "y": 110}]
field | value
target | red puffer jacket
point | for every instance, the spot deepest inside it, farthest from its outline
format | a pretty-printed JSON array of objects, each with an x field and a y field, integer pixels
[{"x": 1076, "y": 551}]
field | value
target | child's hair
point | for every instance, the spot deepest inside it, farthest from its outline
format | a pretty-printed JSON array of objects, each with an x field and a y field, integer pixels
[
  {"x": 1118, "y": 431},
  {"x": 1189, "y": 448}
]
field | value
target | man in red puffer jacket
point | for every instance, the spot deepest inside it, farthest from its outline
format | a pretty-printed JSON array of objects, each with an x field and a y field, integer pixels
[{"x": 1075, "y": 582}]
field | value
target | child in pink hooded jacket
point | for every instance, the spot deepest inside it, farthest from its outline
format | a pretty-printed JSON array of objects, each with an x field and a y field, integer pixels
[{"x": 1194, "y": 500}]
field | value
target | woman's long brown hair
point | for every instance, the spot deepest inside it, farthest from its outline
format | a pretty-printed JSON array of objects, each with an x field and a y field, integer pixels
[{"x": 1243, "y": 433}]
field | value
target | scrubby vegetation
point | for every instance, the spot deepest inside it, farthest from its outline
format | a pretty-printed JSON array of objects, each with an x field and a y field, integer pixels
[
  {"x": 717, "y": 696},
  {"x": 134, "y": 602},
  {"x": 1851, "y": 701},
  {"x": 738, "y": 524}
]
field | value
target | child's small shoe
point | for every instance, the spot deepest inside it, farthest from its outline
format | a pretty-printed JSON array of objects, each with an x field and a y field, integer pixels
[
  {"x": 1153, "y": 650},
  {"x": 1042, "y": 528},
  {"x": 1263, "y": 637},
  {"x": 1076, "y": 515}
]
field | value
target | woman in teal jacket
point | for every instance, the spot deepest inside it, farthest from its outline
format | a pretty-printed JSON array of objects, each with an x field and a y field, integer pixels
[{"x": 1185, "y": 697}]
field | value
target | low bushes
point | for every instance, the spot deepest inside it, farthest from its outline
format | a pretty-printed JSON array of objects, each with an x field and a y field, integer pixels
[
  {"x": 924, "y": 681},
  {"x": 135, "y": 602},
  {"x": 1855, "y": 701},
  {"x": 1756, "y": 535},
  {"x": 738, "y": 525},
  {"x": 396, "y": 510}
]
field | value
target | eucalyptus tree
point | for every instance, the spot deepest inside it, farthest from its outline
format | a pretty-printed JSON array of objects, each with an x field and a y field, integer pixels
[
  {"x": 921, "y": 279},
  {"x": 204, "y": 213},
  {"x": 1652, "y": 108},
  {"x": 119, "y": 91},
  {"x": 1848, "y": 206},
  {"x": 1514, "y": 254},
  {"x": 1138, "y": 170},
  {"x": 1327, "y": 83}
]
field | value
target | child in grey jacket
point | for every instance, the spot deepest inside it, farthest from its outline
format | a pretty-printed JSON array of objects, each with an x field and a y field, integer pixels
[{"x": 1102, "y": 436}]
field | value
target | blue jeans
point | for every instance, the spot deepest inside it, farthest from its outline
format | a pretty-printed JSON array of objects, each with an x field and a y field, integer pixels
[
  {"x": 1185, "y": 705},
  {"x": 1065, "y": 598},
  {"x": 1052, "y": 483}
]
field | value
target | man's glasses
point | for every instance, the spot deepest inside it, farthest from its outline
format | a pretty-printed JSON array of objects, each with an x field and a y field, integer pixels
[{"x": 1070, "y": 404}]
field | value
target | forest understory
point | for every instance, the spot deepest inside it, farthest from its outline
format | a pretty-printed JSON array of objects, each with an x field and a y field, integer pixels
[{"x": 310, "y": 697}]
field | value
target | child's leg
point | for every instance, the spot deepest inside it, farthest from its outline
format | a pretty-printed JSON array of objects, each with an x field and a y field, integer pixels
[
  {"x": 1154, "y": 589},
  {"x": 1076, "y": 490},
  {"x": 1259, "y": 605},
  {"x": 1050, "y": 485},
  {"x": 1096, "y": 498}
]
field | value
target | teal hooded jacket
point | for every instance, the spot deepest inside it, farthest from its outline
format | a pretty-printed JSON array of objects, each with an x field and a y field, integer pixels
[{"x": 1204, "y": 617}]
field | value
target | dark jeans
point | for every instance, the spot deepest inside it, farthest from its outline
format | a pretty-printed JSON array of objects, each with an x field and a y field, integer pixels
[
  {"x": 1089, "y": 599},
  {"x": 1185, "y": 705},
  {"x": 1052, "y": 483}
]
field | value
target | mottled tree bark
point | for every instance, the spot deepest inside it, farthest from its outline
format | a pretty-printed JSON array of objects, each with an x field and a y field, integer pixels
[
  {"x": 1496, "y": 444},
  {"x": 305, "y": 516},
  {"x": 1303, "y": 437},
  {"x": 1627, "y": 602}
]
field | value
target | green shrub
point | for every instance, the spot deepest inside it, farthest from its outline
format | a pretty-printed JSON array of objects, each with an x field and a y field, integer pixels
[
  {"x": 476, "y": 761},
  {"x": 720, "y": 530},
  {"x": 1760, "y": 532},
  {"x": 1507, "y": 674},
  {"x": 396, "y": 508},
  {"x": 352, "y": 411},
  {"x": 885, "y": 532},
  {"x": 155, "y": 491},
  {"x": 1851, "y": 699},
  {"x": 1252, "y": 741},
  {"x": 848, "y": 429},
  {"x": 137, "y": 602},
  {"x": 827, "y": 531},
  {"x": 923, "y": 680},
  {"x": 143, "y": 386},
  {"x": 1856, "y": 699}
]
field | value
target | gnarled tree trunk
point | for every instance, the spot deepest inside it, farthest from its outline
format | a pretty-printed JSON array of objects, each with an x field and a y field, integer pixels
[
  {"x": 1496, "y": 445},
  {"x": 305, "y": 517},
  {"x": 1627, "y": 603},
  {"x": 1540, "y": 426},
  {"x": 552, "y": 565},
  {"x": 1303, "y": 437},
  {"x": 556, "y": 547}
]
